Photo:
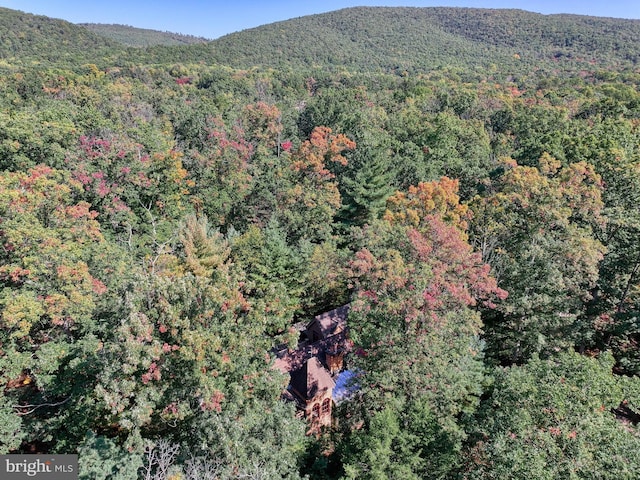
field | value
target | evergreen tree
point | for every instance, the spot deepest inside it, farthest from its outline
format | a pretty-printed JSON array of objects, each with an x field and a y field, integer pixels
[{"x": 366, "y": 184}]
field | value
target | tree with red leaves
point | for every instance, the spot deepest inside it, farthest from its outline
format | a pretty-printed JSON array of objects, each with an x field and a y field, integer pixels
[
  {"x": 414, "y": 317},
  {"x": 56, "y": 276}
]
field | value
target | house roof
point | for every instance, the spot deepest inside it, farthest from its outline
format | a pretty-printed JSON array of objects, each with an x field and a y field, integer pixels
[
  {"x": 311, "y": 379},
  {"x": 332, "y": 322},
  {"x": 290, "y": 360}
]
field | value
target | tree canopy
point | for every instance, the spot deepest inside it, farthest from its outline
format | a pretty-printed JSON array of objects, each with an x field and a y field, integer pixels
[{"x": 465, "y": 181}]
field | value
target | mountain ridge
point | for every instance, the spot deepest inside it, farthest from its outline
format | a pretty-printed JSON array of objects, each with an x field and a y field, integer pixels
[
  {"x": 365, "y": 39},
  {"x": 29, "y": 38},
  {"x": 440, "y": 35},
  {"x": 141, "y": 37}
]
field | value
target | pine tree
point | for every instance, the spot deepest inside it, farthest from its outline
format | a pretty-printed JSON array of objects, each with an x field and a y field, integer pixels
[{"x": 366, "y": 186}]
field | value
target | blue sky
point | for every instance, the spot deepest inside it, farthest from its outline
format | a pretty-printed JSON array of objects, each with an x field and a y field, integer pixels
[{"x": 215, "y": 18}]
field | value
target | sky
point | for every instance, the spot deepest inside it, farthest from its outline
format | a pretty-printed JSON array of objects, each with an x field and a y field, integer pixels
[{"x": 214, "y": 18}]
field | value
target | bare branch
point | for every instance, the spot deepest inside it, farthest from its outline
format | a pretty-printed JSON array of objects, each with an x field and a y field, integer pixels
[{"x": 33, "y": 408}]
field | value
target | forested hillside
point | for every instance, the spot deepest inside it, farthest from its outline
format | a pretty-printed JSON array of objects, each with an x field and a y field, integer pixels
[
  {"x": 418, "y": 39},
  {"x": 140, "y": 37},
  {"x": 375, "y": 39},
  {"x": 170, "y": 216},
  {"x": 29, "y": 39}
]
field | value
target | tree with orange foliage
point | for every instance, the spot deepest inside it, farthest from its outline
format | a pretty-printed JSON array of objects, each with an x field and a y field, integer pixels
[
  {"x": 311, "y": 202},
  {"x": 413, "y": 319},
  {"x": 56, "y": 274},
  {"x": 421, "y": 202}
]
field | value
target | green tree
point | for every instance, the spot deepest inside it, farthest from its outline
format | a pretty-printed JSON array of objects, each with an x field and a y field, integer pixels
[
  {"x": 539, "y": 130},
  {"x": 553, "y": 419},
  {"x": 100, "y": 458},
  {"x": 535, "y": 227},
  {"x": 36, "y": 135},
  {"x": 275, "y": 272},
  {"x": 192, "y": 359},
  {"x": 367, "y": 182},
  {"x": 611, "y": 145},
  {"x": 409, "y": 443},
  {"x": 432, "y": 145}
]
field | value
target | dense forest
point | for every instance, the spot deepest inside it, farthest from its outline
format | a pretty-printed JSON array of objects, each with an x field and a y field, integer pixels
[
  {"x": 141, "y": 37},
  {"x": 466, "y": 180}
]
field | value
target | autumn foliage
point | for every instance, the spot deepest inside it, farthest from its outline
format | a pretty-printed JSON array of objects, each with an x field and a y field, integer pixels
[
  {"x": 425, "y": 231},
  {"x": 168, "y": 225}
]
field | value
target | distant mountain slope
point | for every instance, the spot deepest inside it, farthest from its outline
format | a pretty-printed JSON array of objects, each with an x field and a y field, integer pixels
[
  {"x": 545, "y": 34},
  {"x": 141, "y": 37},
  {"x": 423, "y": 38},
  {"x": 365, "y": 39},
  {"x": 355, "y": 38},
  {"x": 27, "y": 38}
]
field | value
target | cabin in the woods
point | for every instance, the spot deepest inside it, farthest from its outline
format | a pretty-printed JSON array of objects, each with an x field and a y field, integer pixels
[
  {"x": 314, "y": 366},
  {"x": 312, "y": 386},
  {"x": 327, "y": 324}
]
